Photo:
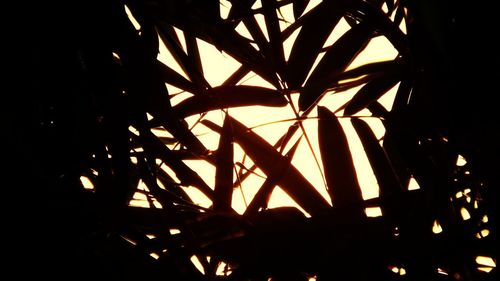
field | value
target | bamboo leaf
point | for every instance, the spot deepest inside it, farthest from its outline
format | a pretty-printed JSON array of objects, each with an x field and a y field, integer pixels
[
  {"x": 391, "y": 190},
  {"x": 369, "y": 69},
  {"x": 179, "y": 129},
  {"x": 299, "y": 7},
  {"x": 172, "y": 42},
  {"x": 380, "y": 21},
  {"x": 173, "y": 78},
  {"x": 223, "y": 191},
  {"x": 340, "y": 173},
  {"x": 261, "y": 198},
  {"x": 336, "y": 59},
  {"x": 186, "y": 175},
  {"x": 370, "y": 92},
  {"x": 316, "y": 28},
  {"x": 230, "y": 96},
  {"x": 271, "y": 162},
  {"x": 276, "y": 53},
  {"x": 193, "y": 52}
]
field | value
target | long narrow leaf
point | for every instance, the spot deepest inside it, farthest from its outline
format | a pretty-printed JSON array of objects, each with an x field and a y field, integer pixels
[
  {"x": 299, "y": 7},
  {"x": 340, "y": 173},
  {"x": 223, "y": 191},
  {"x": 261, "y": 198},
  {"x": 230, "y": 96},
  {"x": 391, "y": 190},
  {"x": 315, "y": 30},
  {"x": 271, "y": 162},
  {"x": 371, "y": 92},
  {"x": 170, "y": 76},
  {"x": 185, "y": 174},
  {"x": 336, "y": 60},
  {"x": 276, "y": 53}
]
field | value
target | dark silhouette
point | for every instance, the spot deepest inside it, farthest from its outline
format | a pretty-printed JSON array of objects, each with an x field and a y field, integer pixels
[{"x": 79, "y": 75}]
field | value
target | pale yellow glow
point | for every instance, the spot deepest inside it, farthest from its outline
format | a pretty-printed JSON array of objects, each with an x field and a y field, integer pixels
[
  {"x": 373, "y": 212},
  {"x": 197, "y": 264},
  {"x": 485, "y": 261},
  {"x": 222, "y": 269},
  {"x": 413, "y": 185},
  {"x": 87, "y": 184},
  {"x": 483, "y": 233},
  {"x": 154, "y": 256},
  {"x": 485, "y": 219},
  {"x": 174, "y": 231},
  {"x": 461, "y": 161},
  {"x": 436, "y": 227},
  {"x": 465, "y": 214}
]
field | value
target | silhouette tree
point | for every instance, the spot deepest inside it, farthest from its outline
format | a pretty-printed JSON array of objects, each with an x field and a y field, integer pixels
[{"x": 88, "y": 96}]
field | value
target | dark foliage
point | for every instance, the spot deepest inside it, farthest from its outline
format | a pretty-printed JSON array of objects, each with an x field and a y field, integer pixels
[{"x": 85, "y": 94}]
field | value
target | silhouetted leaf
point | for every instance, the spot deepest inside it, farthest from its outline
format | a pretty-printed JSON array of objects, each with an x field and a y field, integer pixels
[
  {"x": 299, "y": 8},
  {"x": 172, "y": 42},
  {"x": 276, "y": 53},
  {"x": 370, "y": 92},
  {"x": 271, "y": 162},
  {"x": 316, "y": 27},
  {"x": 340, "y": 173},
  {"x": 185, "y": 174},
  {"x": 179, "y": 129},
  {"x": 193, "y": 51},
  {"x": 262, "y": 196},
  {"x": 391, "y": 190},
  {"x": 173, "y": 78},
  {"x": 335, "y": 60},
  {"x": 229, "y": 96},
  {"x": 369, "y": 69},
  {"x": 171, "y": 186},
  {"x": 223, "y": 191},
  {"x": 378, "y": 20}
]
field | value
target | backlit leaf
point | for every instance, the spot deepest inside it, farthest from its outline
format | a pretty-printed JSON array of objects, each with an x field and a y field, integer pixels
[
  {"x": 340, "y": 173},
  {"x": 230, "y": 96},
  {"x": 271, "y": 162}
]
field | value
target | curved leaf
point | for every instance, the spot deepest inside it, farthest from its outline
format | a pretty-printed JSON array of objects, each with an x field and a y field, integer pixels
[
  {"x": 276, "y": 53},
  {"x": 170, "y": 76},
  {"x": 391, "y": 190},
  {"x": 370, "y": 92},
  {"x": 299, "y": 7},
  {"x": 336, "y": 59},
  {"x": 340, "y": 173},
  {"x": 271, "y": 162},
  {"x": 316, "y": 28},
  {"x": 186, "y": 175},
  {"x": 227, "y": 97},
  {"x": 261, "y": 198},
  {"x": 223, "y": 190}
]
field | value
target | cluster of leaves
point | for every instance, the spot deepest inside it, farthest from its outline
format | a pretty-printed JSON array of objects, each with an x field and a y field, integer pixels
[{"x": 99, "y": 120}]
